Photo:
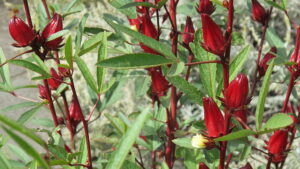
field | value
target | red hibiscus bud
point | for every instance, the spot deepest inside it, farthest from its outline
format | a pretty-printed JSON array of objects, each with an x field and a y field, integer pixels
[
  {"x": 259, "y": 13},
  {"x": 75, "y": 115},
  {"x": 55, "y": 80},
  {"x": 213, "y": 118},
  {"x": 20, "y": 32},
  {"x": 236, "y": 94},
  {"x": 263, "y": 65},
  {"x": 64, "y": 72},
  {"x": 189, "y": 31},
  {"x": 203, "y": 166},
  {"x": 43, "y": 92},
  {"x": 206, "y": 7},
  {"x": 55, "y": 25},
  {"x": 159, "y": 83},
  {"x": 247, "y": 166},
  {"x": 147, "y": 28},
  {"x": 277, "y": 145},
  {"x": 214, "y": 40}
]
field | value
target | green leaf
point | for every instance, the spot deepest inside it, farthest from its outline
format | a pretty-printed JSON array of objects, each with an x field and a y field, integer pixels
[
  {"x": 191, "y": 91},
  {"x": 41, "y": 64},
  {"x": 91, "y": 44},
  {"x": 27, "y": 148},
  {"x": 275, "y": 5},
  {"x": 277, "y": 121},
  {"x": 131, "y": 12},
  {"x": 207, "y": 71},
  {"x": 237, "y": 64},
  {"x": 57, "y": 35},
  {"x": 4, "y": 71},
  {"x": 134, "y": 61},
  {"x": 30, "y": 66},
  {"x": 28, "y": 115},
  {"x": 150, "y": 42},
  {"x": 4, "y": 162},
  {"x": 22, "y": 129},
  {"x": 262, "y": 96},
  {"x": 118, "y": 124},
  {"x": 79, "y": 33},
  {"x": 273, "y": 38},
  {"x": 19, "y": 153},
  {"x": 176, "y": 69},
  {"x": 68, "y": 51},
  {"x": 102, "y": 54},
  {"x": 134, "y": 4},
  {"x": 86, "y": 73},
  {"x": 18, "y": 106},
  {"x": 127, "y": 141},
  {"x": 184, "y": 142},
  {"x": 236, "y": 135}
]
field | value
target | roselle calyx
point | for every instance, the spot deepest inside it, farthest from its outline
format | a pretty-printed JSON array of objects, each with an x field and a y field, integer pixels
[
  {"x": 213, "y": 118},
  {"x": 159, "y": 83},
  {"x": 202, "y": 166},
  {"x": 236, "y": 95},
  {"x": 263, "y": 65},
  {"x": 205, "y": 7},
  {"x": 55, "y": 25},
  {"x": 21, "y": 32},
  {"x": 147, "y": 28},
  {"x": 277, "y": 145},
  {"x": 259, "y": 13},
  {"x": 188, "y": 32},
  {"x": 55, "y": 80},
  {"x": 43, "y": 92},
  {"x": 214, "y": 40},
  {"x": 75, "y": 115}
]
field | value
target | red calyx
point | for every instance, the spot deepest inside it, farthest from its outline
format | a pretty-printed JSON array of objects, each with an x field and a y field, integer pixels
[
  {"x": 277, "y": 145},
  {"x": 55, "y": 80},
  {"x": 263, "y": 65},
  {"x": 159, "y": 83},
  {"x": 55, "y": 25},
  {"x": 74, "y": 110},
  {"x": 213, "y": 118},
  {"x": 43, "y": 92},
  {"x": 236, "y": 94},
  {"x": 206, "y": 7},
  {"x": 214, "y": 40},
  {"x": 147, "y": 28},
  {"x": 259, "y": 13},
  {"x": 202, "y": 166},
  {"x": 189, "y": 31},
  {"x": 21, "y": 32}
]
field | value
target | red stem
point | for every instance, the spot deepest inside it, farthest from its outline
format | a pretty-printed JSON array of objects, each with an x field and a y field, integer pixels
[
  {"x": 288, "y": 93},
  {"x": 46, "y": 9},
  {"x": 85, "y": 126},
  {"x": 27, "y": 13}
]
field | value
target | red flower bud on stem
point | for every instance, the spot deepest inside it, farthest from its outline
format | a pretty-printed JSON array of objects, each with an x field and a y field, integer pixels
[
  {"x": 21, "y": 32},
  {"x": 263, "y": 65},
  {"x": 74, "y": 110},
  {"x": 55, "y": 25},
  {"x": 259, "y": 13},
  {"x": 147, "y": 28},
  {"x": 159, "y": 83},
  {"x": 213, "y": 118},
  {"x": 236, "y": 94},
  {"x": 55, "y": 80},
  {"x": 206, "y": 7},
  {"x": 189, "y": 31},
  {"x": 214, "y": 40},
  {"x": 277, "y": 145},
  {"x": 43, "y": 92}
]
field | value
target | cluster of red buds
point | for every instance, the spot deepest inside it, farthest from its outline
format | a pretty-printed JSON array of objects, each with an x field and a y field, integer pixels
[{"x": 24, "y": 35}]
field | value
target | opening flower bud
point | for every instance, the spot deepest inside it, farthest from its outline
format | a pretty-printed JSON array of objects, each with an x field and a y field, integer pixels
[
  {"x": 21, "y": 32},
  {"x": 199, "y": 141}
]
